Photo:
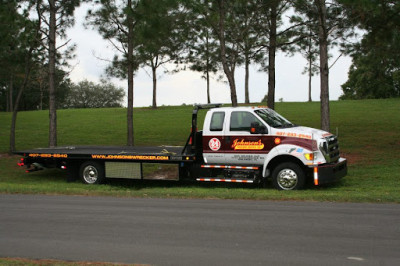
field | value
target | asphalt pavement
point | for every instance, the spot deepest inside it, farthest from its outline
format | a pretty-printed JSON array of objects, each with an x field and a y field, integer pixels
[{"x": 198, "y": 232}]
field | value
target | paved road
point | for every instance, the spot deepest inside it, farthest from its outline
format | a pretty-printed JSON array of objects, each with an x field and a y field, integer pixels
[{"x": 198, "y": 232}]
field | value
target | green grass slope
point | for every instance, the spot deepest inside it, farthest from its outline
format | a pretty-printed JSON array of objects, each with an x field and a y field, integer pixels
[{"x": 369, "y": 135}]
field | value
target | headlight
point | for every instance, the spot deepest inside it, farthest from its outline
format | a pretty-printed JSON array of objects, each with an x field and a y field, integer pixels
[{"x": 323, "y": 147}]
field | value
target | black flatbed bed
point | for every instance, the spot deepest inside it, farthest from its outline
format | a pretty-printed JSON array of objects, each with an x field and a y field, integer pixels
[{"x": 120, "y": 153}]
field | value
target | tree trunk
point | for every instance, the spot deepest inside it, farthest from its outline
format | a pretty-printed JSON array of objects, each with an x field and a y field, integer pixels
[
  {"x": 52, "y": 65},
  {"x": 310, "y": 61},
  {"x": 271, "y": 57},
  {"x": 208, "y": 69},
  {"x": 41, "y": 96},
  {"x": 19, "y": 96},
  {"x": 309, "y": 76},
  {"x": 232, "y": 86},
  {"x": 28, "y": 68},
  {"x": 230, "y": 74},
  {"x": 12, "y": 131},
  {"x": 130, "y": 137},
  {"x": 10, "y": 95},
  {"x": 324, "y": 68},
  {"x": 154, "y": 73},
  {"x": 14, "y": 117},
  {"x": 7, "y": 101},
  {"x": 208, "y": 86},
  {"x": 246, "y": 80}
]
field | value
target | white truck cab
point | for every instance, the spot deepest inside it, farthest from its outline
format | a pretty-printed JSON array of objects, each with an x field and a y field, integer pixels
[{"x": 259, "y": 137}]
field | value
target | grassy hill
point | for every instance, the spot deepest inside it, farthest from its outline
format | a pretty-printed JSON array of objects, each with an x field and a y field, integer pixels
[{"x": 369, "y": 135}]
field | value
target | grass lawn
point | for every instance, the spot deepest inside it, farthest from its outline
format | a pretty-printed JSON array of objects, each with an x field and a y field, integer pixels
[{"x": 369, "y": 135}]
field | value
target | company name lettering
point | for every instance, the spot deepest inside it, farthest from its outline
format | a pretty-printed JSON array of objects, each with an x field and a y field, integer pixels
[
  {"x": 130, "y": 157},
  {"x": 247, "y": 145}
]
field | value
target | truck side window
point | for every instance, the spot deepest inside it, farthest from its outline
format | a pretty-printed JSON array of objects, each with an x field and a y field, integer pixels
[
  {"x": 241, "y": 121},
  {"x": 217, "y": 121}
]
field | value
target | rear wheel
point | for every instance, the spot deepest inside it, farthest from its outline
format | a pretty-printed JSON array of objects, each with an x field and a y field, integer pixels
[
  {"x": 92, "y": 173},
  {"x": 288, "y": 176}
]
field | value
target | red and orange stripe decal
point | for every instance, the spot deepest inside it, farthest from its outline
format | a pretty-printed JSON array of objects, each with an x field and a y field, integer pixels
[
  {"x": 224, "y": 180},
  {"x": 230, "y": 167}
]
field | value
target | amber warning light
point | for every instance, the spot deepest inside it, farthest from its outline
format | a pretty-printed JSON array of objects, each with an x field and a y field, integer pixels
[{"x": 278, "y": 141}]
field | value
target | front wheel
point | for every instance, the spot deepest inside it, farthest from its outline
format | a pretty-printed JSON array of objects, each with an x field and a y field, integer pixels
[
  {"x": 92, "y": 173},
  {"x": 288, "y": 176}
]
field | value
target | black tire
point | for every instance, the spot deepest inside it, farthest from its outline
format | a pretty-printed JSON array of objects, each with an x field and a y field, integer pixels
[
  {"x": 288, "y": 176},
  {"x": 92, "y": 173}
]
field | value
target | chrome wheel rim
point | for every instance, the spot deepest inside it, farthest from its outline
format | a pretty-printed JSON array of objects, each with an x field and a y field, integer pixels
[
  {"x": 90, "y": 174},
  {"x": 287, "y": 179}
]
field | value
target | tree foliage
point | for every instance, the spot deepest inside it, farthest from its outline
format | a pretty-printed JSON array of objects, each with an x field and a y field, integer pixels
[
  {"x": 203, "y": 49},
  {"x": 219, "y": 16},
  {"x": 58, "y": 16},
  {"x": 275, "y": 38},
  {"x": 87, "y": 94},
  {"x": 21, "y": 51},
  {"x": 375, "y": 72},
  {"x": 204, "y": 35},
  {"x": 161, "y": 35},
  {"x": 116, "y": 21},
  {"x": 36, "y": 96},
  {"x": 248, "y": 22},
  {"x": 329, "y": 26},
  {"x": 17, "y": 36},
  {"x": 308, "y": 46}
]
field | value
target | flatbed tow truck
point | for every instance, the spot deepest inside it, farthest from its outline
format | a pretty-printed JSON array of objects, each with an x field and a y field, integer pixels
[{"x": 237, "y": 144}]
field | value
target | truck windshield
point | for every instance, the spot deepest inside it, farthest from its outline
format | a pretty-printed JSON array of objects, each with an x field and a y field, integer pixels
[{"x": 274, "y": 119}]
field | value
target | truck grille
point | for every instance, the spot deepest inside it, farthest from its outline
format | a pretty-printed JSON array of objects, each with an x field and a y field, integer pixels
[{"x": 332, "y": 149}]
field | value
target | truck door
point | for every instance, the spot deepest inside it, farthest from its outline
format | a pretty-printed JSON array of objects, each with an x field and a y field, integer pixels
[
  {"x": 241, "y": 147},
  {"x": 213, "y": 138}
]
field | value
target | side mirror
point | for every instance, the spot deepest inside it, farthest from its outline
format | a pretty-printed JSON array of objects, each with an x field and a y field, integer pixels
[{"x": 256, "y": 128}]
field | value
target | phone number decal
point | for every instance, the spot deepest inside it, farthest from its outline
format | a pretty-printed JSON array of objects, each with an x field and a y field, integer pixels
[
  {"x": 48, "y": 155},
  {"x": 294, "y": 135}
]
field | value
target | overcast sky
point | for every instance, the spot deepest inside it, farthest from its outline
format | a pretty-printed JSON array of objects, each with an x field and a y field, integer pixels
[{"x": 188, "y": 87}]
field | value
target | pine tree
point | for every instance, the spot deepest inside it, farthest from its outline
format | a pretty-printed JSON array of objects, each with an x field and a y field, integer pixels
[
  {"x": 116, "y": 21},
  {"x": 57, "y": 15}
]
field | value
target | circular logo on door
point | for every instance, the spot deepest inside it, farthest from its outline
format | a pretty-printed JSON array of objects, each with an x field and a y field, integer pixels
[{"x": 214, "y": 144}]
